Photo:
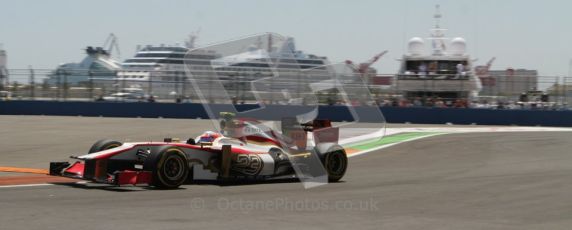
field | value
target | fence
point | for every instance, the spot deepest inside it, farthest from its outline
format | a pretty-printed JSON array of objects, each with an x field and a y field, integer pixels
[{"x": 549, "y": 92}]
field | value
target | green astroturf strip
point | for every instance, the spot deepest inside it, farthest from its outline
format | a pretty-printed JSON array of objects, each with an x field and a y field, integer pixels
[{"x": 389, "y": 140}]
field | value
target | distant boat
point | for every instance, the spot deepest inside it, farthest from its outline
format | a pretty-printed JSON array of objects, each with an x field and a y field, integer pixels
[
  {"x": 98, "y": 64},
  {"x": 444, "y": 73},
  {"x": 161, "y": 69}
]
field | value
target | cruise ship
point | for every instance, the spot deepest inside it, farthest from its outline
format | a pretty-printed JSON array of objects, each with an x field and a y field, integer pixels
[
  {"x": 98, "y": 66},
  {"x": 443, "y": 73},
  {"x": 161, "y": 69}
]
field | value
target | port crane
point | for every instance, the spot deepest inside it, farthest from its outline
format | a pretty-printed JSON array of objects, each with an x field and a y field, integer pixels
[
  {"x": 191, "y": 42},
  {"x": 364, "y": 66},
  {"x": 483, "y": 71},
  {"x": 110, "y": 44}
]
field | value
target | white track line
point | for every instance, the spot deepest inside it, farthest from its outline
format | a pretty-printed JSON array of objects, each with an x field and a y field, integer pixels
[
  {"x": 36, "y": 185},
  {"x": 456, "y": 130},
  {"x": 23, "y": 185},
  {"x": 392, "y": 144},
  {"x": 390, "y": 131}
]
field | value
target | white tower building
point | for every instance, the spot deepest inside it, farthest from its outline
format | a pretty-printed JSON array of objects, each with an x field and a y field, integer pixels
[{"x": 3, "y": 69}]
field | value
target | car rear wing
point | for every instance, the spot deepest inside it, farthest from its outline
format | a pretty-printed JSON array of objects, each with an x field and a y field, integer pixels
[{"x": 321, "y": 129}]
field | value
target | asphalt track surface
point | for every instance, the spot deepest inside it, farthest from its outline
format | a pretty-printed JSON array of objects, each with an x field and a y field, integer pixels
[{"x": 454, "y": 181}]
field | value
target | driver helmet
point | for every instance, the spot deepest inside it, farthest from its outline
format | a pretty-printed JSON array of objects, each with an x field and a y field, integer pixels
[{"x": 208, "y": 136}]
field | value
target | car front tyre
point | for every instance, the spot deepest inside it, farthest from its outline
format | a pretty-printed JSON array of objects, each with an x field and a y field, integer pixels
[
  {"x": 104, "y": 144},
  {"x": 169, "y": 167}
]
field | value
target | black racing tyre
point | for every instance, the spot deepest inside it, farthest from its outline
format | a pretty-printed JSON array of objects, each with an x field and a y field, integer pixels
[
  {"x": 169, "y": 167},
  {"x": 104, "y": 145},
  {"x": 336, "y": 163}
]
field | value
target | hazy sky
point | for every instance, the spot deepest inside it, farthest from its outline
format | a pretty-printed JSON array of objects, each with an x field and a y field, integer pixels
[{"x": 521, "y": 34}]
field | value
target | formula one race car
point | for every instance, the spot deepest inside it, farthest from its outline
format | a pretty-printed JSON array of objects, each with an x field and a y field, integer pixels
[{"x": 244, "y": 149}]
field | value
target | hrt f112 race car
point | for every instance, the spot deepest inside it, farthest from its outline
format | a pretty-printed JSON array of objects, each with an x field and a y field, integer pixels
[{"x": 244, "y": 149}]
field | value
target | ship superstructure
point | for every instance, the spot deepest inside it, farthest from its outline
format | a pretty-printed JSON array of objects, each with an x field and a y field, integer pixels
[
  {"x": 97, "y": 67},
  {"x": 445, "y": 72}
]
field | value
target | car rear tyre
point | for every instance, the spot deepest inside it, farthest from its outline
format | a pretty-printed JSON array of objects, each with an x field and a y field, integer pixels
[
  {"x": 169, "y": 167},
  {"x": 336, "y": 163},
  {"x": 104, "y": 145}
]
